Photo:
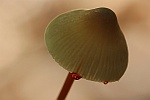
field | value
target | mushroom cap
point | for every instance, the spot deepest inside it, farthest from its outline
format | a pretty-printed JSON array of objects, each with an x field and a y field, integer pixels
[{"x": 89, "y": 43}]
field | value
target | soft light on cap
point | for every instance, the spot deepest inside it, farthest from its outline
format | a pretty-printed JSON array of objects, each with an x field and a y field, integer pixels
[{"x": 90, "y": 43}]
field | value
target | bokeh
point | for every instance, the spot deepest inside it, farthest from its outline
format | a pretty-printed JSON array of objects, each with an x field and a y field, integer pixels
[{"x": 28, "y": 72}]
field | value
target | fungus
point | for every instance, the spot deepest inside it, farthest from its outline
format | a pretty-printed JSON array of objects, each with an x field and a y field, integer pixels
[{"x": 88, "y": 44}]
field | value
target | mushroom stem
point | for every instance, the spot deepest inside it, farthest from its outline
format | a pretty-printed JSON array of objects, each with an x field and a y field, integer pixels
[{"x": 66, "y": 87}]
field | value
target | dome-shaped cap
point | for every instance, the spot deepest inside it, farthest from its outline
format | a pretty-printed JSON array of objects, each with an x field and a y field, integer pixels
[{"x": 89, "y": 43}]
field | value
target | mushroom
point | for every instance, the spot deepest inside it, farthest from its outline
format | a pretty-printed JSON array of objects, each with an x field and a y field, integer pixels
[{"x": 88, "y": 44}]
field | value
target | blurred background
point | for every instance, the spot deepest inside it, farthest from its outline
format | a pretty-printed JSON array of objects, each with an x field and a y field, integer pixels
[{"x": 28, "y": 72}]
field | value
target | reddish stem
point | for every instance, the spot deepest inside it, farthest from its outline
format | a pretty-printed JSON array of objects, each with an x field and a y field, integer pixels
[{"x": 66, "y": 87}]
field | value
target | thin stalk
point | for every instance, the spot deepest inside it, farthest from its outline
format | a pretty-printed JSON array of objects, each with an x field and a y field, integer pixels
[{"x": 66, "y": 87}]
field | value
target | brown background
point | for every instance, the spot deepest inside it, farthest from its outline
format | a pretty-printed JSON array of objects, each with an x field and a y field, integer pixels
[{"x": 28, "y": 72}]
